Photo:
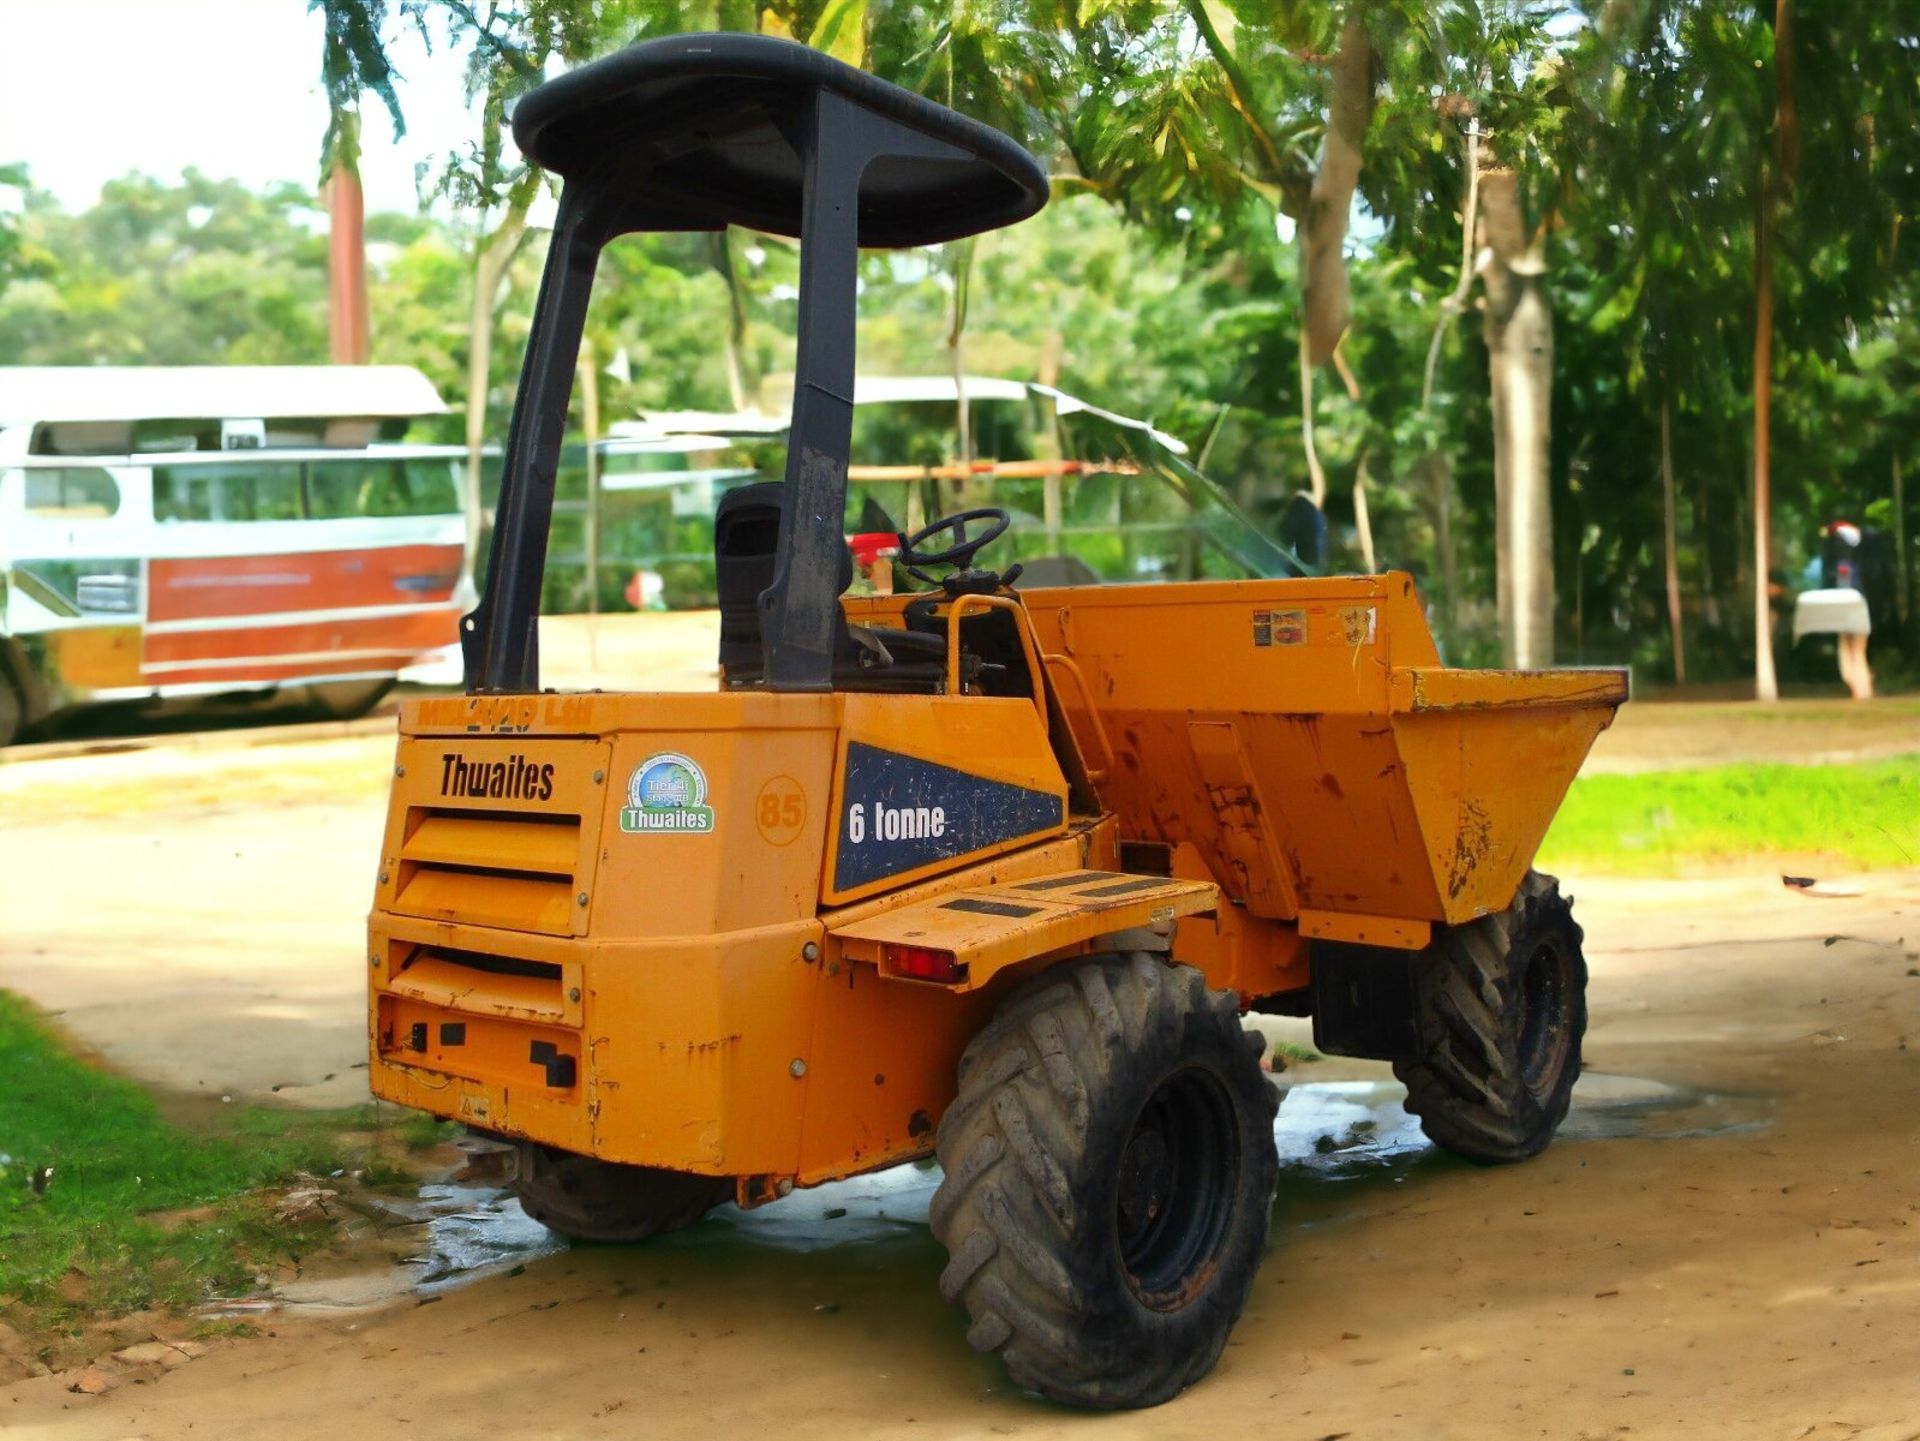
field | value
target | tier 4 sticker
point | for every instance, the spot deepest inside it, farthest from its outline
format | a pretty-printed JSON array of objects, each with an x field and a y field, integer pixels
[{"x": 668, "y": 793}]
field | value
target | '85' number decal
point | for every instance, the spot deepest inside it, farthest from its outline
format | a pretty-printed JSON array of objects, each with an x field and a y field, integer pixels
[{"x": 780, "y": 812}]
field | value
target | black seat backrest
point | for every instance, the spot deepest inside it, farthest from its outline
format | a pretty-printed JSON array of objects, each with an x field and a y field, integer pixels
[
  {"x": 746, "y": 536},
  {"x": 746, "y": 533}
]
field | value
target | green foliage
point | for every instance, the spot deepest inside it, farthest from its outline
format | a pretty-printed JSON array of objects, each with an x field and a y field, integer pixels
[
  {"x": 1158, "y": 283},
  {"x": 202, "y": 272},
  {"x": 13, "y": 178},
  {"x": 354, "y": 61}
]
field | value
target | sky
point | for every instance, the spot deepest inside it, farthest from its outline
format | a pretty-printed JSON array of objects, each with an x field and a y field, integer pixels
[{"x": 93, "y": 89}]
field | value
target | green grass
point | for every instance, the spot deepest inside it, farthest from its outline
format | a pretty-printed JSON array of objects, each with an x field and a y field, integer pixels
[
  {"x": 90, "y": 1242},
  {"x": 1860, "y": 815}
]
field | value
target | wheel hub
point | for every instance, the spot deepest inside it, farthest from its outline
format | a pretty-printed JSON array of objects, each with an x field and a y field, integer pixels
[
  {"x": 1544, "y": 1038},
  {"x": 1146, "y": 1179},
  {"x": 1178, "y": 1174}
]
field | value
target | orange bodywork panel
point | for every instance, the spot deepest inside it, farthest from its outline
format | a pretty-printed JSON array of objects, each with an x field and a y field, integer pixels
[
  {"x": 1303, "y": 737},
  {"x": 601, "y": 921},
  {"x": 985, "y": 929},
  {"x": 749, "y": 934}
]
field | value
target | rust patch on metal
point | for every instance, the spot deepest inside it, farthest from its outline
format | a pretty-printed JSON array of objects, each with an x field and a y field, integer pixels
[{"x": 1470, "y": 846}]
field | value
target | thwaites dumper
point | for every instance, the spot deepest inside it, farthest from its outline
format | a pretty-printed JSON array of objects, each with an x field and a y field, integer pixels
[{"x": 978, "y": 872}]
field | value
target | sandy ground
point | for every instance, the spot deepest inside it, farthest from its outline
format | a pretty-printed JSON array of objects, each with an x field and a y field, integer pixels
[
  {"x": 1738, "y": 1255},
  {"x": 1725, "y": 1241}
]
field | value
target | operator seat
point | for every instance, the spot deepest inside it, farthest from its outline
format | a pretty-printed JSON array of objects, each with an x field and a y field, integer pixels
[{"x": 746, "y": 535}]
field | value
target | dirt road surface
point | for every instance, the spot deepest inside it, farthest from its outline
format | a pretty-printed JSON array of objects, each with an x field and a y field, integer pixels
[{"x": 1724, "y": 1242}]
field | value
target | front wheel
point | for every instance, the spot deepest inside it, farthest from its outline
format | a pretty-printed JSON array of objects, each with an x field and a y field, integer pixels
[
  {"x": 1110, "y": 1167},
  {"x": 1503, "y": 1008},
  {"x": 589, "y": 1200}
]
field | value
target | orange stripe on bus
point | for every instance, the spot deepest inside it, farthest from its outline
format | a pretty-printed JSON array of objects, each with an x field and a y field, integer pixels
[
  {"x": 407, "y": 635},
  {"x": 196, "y": 587},
  {"x": 302, "y": 670}
]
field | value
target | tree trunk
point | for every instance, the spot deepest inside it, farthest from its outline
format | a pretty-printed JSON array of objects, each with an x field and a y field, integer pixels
[
  {"x": 1766, "y": 686},
  {"x": 1786, "y": 153},
  {"x": 1316, "y": 477},
  {"x": 1046, "y": 445},
  {"x": 489, "y": 273},
  {"x": 1362, "y": 522},
  {"x": 1519, "y": 334},
  {"x": 1330, "y": 197},
  {"x": 1672, "y": 528},
  {"x": 348, "y": 339},
  {"x": 587, "y": 373},
  {"x": 1439, "y": 468},
  {"x": 1902, "y": 566},
  {"x": 963, "y": 489},
  {"x": 743, "y": 387}
]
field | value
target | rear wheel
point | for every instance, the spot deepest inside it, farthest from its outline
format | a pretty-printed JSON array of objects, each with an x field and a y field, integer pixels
[
  {"x": 346, "y": 699},
  {"x": 1109, "y": 1171},
  {"x": 13, "y": 704},
  {"x": 590, "y": 1200},
  {"x": 1503, "y": 1008},
  {"x": 12, "y": 713}
]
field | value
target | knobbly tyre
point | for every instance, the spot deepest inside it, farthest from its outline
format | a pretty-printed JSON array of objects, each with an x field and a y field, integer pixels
[{"x": 976, "y": 871}]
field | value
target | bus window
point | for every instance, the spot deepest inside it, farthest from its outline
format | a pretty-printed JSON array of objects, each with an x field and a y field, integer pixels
[
  {"x": 266, "y": 491},
  {"x": 340, "y": 489},
  {"x": 81, "y": 437},
  {"x": 72, "y": 493}
]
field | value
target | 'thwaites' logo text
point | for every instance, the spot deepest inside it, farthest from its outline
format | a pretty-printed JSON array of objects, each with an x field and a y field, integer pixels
[{"x": 514, "y": 779}]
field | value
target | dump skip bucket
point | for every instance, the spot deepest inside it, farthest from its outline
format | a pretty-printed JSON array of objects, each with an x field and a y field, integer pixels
[{"x": 1303, "y": 736}]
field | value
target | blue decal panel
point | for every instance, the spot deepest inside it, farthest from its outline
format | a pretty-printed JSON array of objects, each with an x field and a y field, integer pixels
[{"x": 900, "y": 813}]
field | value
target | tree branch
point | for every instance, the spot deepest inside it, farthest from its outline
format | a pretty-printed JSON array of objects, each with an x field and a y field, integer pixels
[
  {"x": 1455, "y": 303},
  {"x": 1290, "y": 176},
  {"x": 1323, "y": 258}
]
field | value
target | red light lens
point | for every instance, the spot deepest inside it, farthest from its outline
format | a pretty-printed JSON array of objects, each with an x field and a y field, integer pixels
[{"x": 925, "y": 964}]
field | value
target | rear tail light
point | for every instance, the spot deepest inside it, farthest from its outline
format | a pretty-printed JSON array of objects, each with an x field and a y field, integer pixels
[{"x": 923, "y": 963}]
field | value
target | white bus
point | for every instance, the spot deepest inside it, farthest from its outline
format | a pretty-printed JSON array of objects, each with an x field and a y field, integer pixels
[{"x": 221, "y": 535}]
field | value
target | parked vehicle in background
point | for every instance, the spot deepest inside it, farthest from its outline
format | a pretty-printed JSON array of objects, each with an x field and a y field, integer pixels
[
  {"x": 222, "y": 536},
  {"x": 1096, "y": 496}
]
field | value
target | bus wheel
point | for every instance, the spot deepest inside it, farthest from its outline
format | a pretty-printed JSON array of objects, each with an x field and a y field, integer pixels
[
  {"x": 1110, "y": 1167},
  {"x": 12, "y": 713},
  {"x": 347, "y": 699}
]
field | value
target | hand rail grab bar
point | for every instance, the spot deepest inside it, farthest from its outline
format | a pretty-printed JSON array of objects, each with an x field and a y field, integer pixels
[
  {"x": 1095, "y": 774},
  {"x": 961, "y": 605}
]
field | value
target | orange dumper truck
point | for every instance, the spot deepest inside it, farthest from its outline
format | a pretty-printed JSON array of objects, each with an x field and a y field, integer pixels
[{"x": 974, "y": 871}]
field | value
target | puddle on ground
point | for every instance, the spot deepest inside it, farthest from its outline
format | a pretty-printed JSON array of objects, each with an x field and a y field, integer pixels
[
  {"x": 463, "y": 1233},
  {"x": 876, "y": 1207},
  {"x": 476, "y": 1229},
  {"x": 1337, "y": 1129},
  {"x": 1325, "y": 1131},
  {"x": 1616, "y": 1108}
]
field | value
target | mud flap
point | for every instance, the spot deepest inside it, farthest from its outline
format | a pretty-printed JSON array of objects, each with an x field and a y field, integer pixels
[{"x": 1364, "y": 1002}]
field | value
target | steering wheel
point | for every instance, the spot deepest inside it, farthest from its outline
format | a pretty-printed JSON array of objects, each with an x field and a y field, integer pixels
[{"x": 960, "y": 554}]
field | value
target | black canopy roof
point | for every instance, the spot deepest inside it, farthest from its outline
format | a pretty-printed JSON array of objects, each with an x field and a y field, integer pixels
[{"x": 702, "y": 125}]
